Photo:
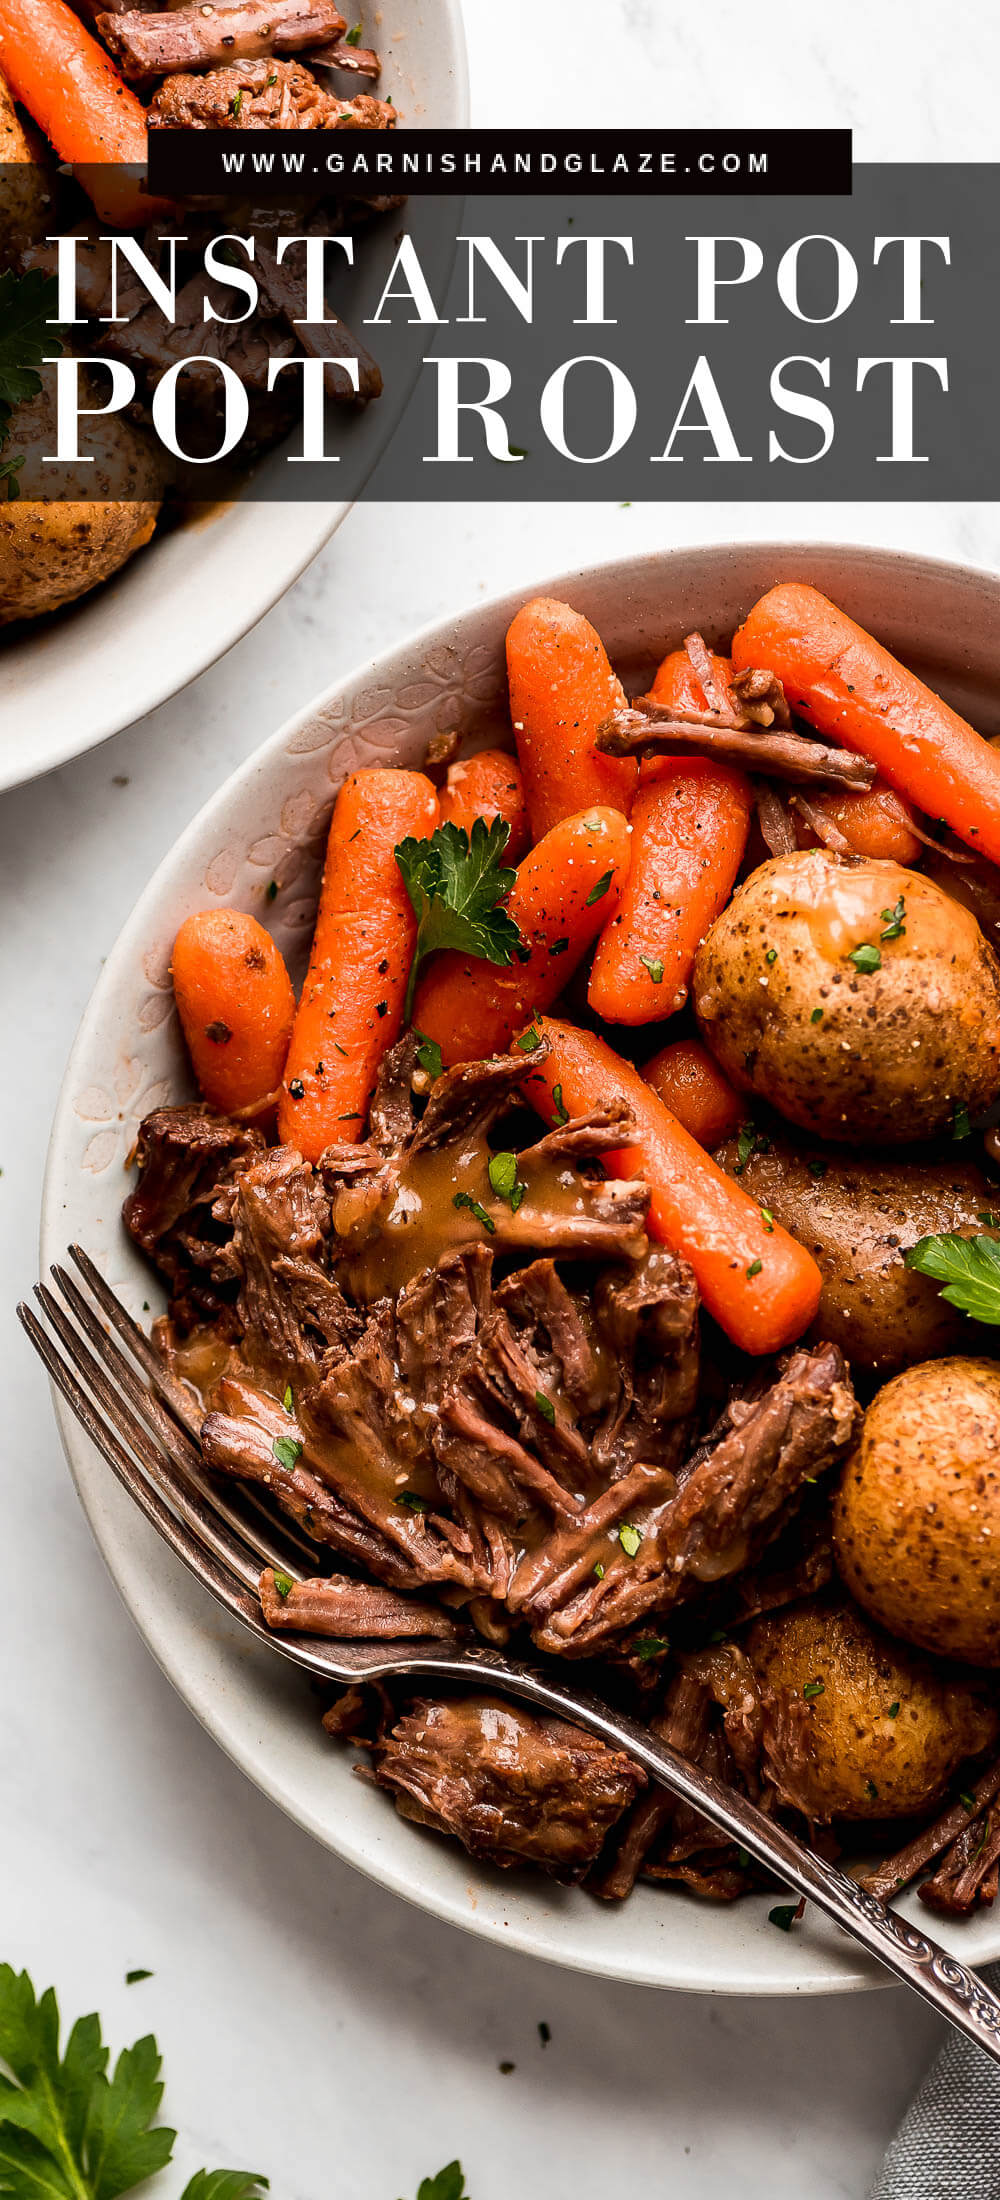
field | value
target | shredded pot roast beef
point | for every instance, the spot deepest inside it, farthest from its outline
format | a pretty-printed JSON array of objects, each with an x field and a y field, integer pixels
[{"x": 486, "y": 1408}]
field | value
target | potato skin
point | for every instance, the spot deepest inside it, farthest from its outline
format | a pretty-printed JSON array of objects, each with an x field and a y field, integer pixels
[
  {"x": 53, "y": 548},
  {"x": 883, "y": 1056},
  {"x": 857, "y": 1215},
  {"x": 916, "y": 1518},
  {"x": 864, "y": 1763}
]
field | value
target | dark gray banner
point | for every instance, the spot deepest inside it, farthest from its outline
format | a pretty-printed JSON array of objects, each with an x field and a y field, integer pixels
[{"x": 519, "y": 347}]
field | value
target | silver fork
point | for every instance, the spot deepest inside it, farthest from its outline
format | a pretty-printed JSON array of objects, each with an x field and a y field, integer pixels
[{"x": 145, "y": 1426}]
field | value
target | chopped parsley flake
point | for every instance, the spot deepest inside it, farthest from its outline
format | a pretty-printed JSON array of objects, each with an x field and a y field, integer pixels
[
  {"x": 505, "y": 1180},
  {"x": 968, "y": 1802},
  {"x": 866, "y": 958},
  {"x": 783, "y": 1916},
  {"x": 598, "y": 892},
  {"x": 893, "y": 919},
  {"x": 545, "y": 1407},
  {"x": 755, "y": 1268},
  {"x": 599, "y": 1571},
  {"x": 465, "y": 1199},
  {"x": 817, "y": 1016},
  {"x": 562, "y": 1114},
  {"x": 771, "y": 956},
  {"x": 893, "y": 1712},
  {"x": 649, "y": 1646},
  {"x": 813, "y": 1688},
  {"x": 284, "y": 1585},
  {"x": 353, "y": 36},
  {"x": 960, "y": 1121},
  {"x": 413, "y": 1502},
  {"x": 654, "y": 965},
  {"x": 630, "y": 1538},
  {"x": 287, "y": 1451},
  {"x": 528, "y": 1040}
]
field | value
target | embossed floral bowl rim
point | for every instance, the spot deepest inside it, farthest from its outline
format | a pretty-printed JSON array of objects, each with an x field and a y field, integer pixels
[
  {"x": 266, "y": 828},
  {"x": 70, "y": 682}
]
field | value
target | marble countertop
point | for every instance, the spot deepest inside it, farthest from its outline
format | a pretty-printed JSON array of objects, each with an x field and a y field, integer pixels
[{"x": 313, "y": 2026}]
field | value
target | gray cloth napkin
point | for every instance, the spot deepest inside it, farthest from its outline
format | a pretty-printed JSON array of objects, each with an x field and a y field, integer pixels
[{"x": 948, "y": 2144}]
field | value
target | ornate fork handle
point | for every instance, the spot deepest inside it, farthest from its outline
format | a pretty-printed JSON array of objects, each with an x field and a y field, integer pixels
[{"x": 914, "y": 1957}]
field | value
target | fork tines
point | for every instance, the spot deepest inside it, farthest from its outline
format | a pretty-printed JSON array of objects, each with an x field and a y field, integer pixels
[{"x": 145, "y": 1424}]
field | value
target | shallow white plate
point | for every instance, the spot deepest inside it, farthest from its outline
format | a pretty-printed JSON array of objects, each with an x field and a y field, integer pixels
[
  {"x": 268, "y": 824},
  {"x": 70, "y": 682}
]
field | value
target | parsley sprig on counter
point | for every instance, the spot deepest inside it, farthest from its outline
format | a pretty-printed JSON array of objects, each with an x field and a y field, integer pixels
[
  {"x": 968, "y": 1268},
  {"x": 27, "y": 303},
  {"x": 71, "y": 2131},
  {"x": 449, "y": 2184},
  {"x": 455, "y": 881}
]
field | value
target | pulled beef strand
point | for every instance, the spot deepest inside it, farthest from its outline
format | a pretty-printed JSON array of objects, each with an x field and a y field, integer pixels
[
  {"x": 959, "y": 1836},
  {"x": 205, "y": 37},
  {"x": 513, "y": 1786},
  {"x": 648, "y": 728},
  {"x": 349, "y": 1611},
  {"x": 504, "y": 1425}
]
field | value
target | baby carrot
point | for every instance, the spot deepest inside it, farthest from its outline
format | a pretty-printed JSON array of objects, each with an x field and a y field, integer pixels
[
  {"x": 72, "y": 89},
  {"x": 351, "y": 1008},
  {"x": 855, "y": 692},
  {"x": 562, "y": 896},
  {"x": 690, "y": 1083},
  {"x": 236, "y": 1006},
  {"x": 561, "y": 690},
  {"x": 677, "y": 683},
  {"x": 758, "y": 1283},
  {"x": 877, "y": 823},
  {"x": 689, "y": 831},
  {"x": 488, "y": 785}
]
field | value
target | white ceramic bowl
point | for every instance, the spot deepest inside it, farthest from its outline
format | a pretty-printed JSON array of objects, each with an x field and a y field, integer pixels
[
  {"x": 268, "y": 824},
  {"x": 72, "y": 681}
]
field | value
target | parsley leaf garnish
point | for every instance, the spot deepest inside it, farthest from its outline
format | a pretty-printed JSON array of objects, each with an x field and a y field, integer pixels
[
  {"x": 598, "y": 892},
  {"x": 649, "y": 1646},
  {"x": 27, "y": 302},
  {"x": 429, "y": 1056},
  {"x": 654, "y": 965},
  {"x": 455, "y": 881},
  {"x": 866, "y": 958},
  {"x": 968, "y": 1268},
  {"x": 545, "y": 1407},
  {"x": 287, "y": 1451},
  {"x": 71, "y": 2131},
  {"x": 353, "y": 36},
  {"x": 630, "y": 1538}
]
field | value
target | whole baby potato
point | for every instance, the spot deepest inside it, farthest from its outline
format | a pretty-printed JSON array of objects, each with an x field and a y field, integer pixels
[
  {"x": 916, "y": 1519},
  {"x": 858, "y": 998},
  {"x": 858, "y": 1214},
  {"x": 70, "y": 529},
  {"x": 887, "y": 1729}
]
